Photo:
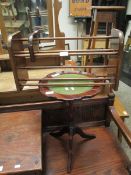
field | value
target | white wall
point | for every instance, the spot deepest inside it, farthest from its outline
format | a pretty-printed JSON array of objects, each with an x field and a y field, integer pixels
[
  {"x": 129, "y": 8},
  {"x": 68, "y": 26},
  {"x": 128, "y": 30}
]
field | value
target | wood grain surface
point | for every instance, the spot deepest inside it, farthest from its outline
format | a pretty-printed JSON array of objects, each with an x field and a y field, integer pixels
[{"x": 20, "y": 142}]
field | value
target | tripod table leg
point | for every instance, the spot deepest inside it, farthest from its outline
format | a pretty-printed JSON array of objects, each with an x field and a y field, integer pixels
[
  {"x": 60, "y": 133},
  {"x": 84, "y": 135}
]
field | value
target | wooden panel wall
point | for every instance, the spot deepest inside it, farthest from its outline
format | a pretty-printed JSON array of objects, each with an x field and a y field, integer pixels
[{"x": 89, "y": 112}]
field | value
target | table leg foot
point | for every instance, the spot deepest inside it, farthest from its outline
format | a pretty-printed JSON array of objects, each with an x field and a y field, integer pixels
[
  {"x": 84, "y": 135},
  {"x": 71, "y": 130},
  {"x": 60, "y": 133}
]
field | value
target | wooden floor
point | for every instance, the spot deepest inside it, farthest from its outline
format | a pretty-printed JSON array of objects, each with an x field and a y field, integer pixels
[{"x": 101, "y": 156}]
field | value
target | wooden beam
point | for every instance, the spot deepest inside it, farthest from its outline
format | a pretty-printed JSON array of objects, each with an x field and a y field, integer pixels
[
  {"x": 3, "y": 31},
  {"x": 68, "y": 38},
  {"x": 54, "y": 79},
  {"x": 65, "y": 84},
  {"x": 68, "y": 67},
  {"x": 108, "y": 8}
]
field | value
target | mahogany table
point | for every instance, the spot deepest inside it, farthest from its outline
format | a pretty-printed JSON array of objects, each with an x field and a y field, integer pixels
[{"x": 69, "y": 87}]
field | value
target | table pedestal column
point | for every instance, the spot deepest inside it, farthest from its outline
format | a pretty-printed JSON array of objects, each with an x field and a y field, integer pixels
[{"x": 71, "y": 129}]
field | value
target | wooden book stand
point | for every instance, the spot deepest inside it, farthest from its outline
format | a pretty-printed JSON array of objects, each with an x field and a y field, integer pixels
[{"x": 23, "y": 59}]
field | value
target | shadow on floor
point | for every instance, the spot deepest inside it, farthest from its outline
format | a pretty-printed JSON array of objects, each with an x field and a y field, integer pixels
[{"x": 125, "y": 78}]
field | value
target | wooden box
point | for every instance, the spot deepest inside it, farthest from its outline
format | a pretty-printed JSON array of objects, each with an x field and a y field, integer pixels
[{"x": 20, "y": 143}]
